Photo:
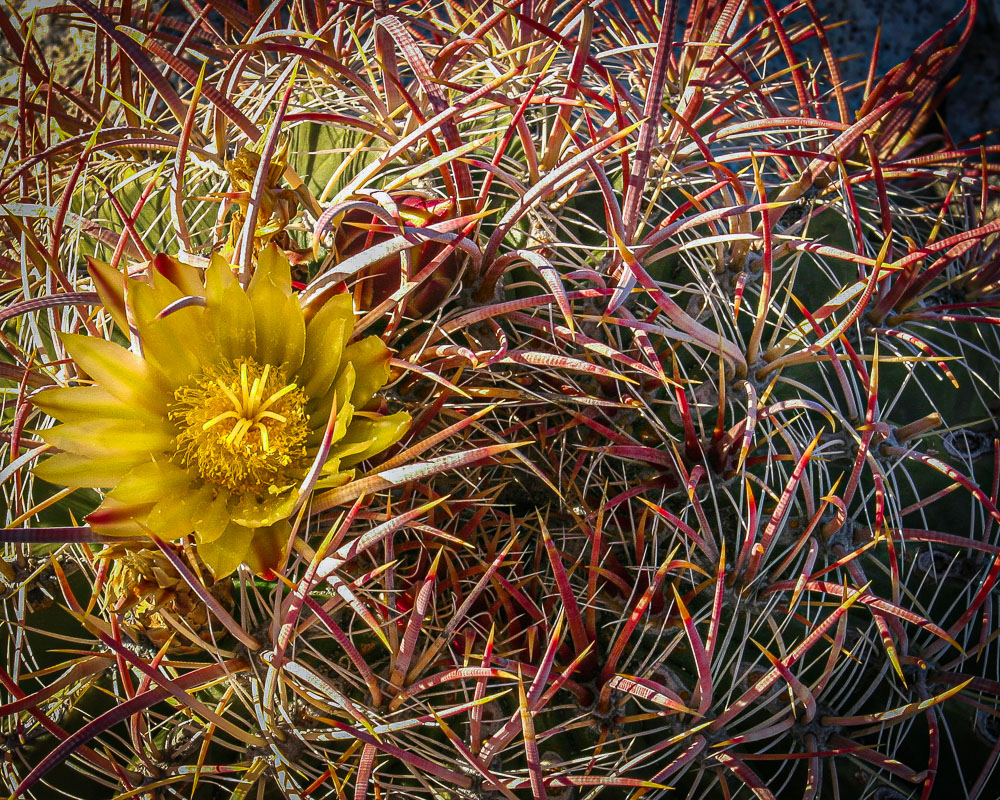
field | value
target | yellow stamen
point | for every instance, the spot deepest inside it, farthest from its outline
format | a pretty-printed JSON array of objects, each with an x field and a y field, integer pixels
[
  {"x": 274, "y": 398},
  {"x": 254, "y": 397},
  {"x": 218, "y": 418},
  {"x": 228, "y": 393},
  {"x": 259, "y": 395},
  {"x": 242, "y": 426},
  {"x": 236, "y": 434},
  {"x": 243, "y": 384}
]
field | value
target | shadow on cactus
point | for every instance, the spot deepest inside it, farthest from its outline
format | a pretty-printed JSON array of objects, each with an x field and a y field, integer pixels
[{"x": 695, "y": 351}]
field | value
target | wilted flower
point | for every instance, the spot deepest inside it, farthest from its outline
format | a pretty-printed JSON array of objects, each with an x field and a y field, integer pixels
[
  {"x": 277, "y": 205},
  {"x": 359, "y": 230},
  {"x": 214, "y": 428},
  {"x": 145, "y": 590}
]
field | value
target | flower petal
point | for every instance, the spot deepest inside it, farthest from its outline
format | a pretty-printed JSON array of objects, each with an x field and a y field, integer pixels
[
  {"x": 267, "y": 547},
  {"x": 147, "y": 300},
  {"x": 343, "y": 386},
  {"x": 74, "y": 403},
  {"x": 272, "y": 269},
  {"x": 370, "y": 358},
  {"x": 342, "y": 389},
  {"x": 150, "y": 482},
  {"x": 344, "y": 416},
  {"x": 112, "y": 438},
  {"x": 210, "y": 516},
  {"x": 172, "y": 346},
  {"x": 110, "y": 285},
  {"x": 249, "y": 511},
  {"x": 218, "y": 277},
  {"x": 82, "y": 472},
  {"x": 326, "y": 335},
  {"x": 345, "y": 450},
  {"x": 280, "y": 327},
  {"x": 226, "y": 553},
  {"x": 178, "y": 344},
  {"x": 335, "y": 479},
  {"x": 126, "y": 376},
  {"x": 229, "y": 316},
  {"x": 114, "y": 518},
  {"x": 381, "y": 433},
  {"x": 170, "y": 518},
  {"x": 185, "y": 277}
]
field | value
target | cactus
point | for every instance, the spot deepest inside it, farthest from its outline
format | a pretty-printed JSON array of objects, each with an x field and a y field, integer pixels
[{"x": 699, "y": 496}]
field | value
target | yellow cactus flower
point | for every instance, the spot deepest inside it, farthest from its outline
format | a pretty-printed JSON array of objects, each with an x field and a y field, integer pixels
[{"x": 214, "y": 429}]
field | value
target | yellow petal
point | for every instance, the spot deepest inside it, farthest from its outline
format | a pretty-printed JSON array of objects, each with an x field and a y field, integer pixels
[
  {"x": 226, "y": 553},
  {"x": 370, "y": 358},
  {"x": 168, "y": 344},
  {"x": 178, "y": 344},
  {"x": 229, "y": 317},
  {"x": 186, "y": 278},
  {"x": 110, "y": 286},
  {"x": 280, "y": 327},
  {"x": 114, "y": 518},
  {"x": 112, "y": 438},
  {"x": 343, "y": 452},
  {"x": 249, "y": 511},
  {"x": 380, "y": 433},
  {"x": 170, "y": 518},
  {"x": 335, "y": 479},
  {"x": 273, "y": 269},
  {"x": 344, "y": 417},
  {"x": 326, "y": 335},
  {"x": 343, "y": 387},
  {"x": 267, "y": 547},
  {"x": 218, "y": 277},
  {"x": 210, "y": 517},
  {"x": 73, "y": 403},
  {"x": 69, "y": 469},
  {"x": 129, "y": 378},
  {"x": 150, "y": 482},
  {"x": 146, "y": 300}
]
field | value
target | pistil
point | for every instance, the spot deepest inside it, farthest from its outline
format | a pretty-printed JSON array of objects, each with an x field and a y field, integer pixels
[{"x": 243, "y": 426}]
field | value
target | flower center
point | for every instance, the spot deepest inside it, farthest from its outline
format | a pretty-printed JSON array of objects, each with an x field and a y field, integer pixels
[{"x": 241, "y": 426}]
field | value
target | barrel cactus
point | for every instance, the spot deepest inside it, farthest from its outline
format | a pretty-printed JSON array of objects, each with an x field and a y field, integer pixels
[{"x": 669, "y": 466}]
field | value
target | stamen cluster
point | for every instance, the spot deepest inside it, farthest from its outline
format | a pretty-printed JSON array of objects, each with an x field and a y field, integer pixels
[{"x": 241, "y": 425}]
